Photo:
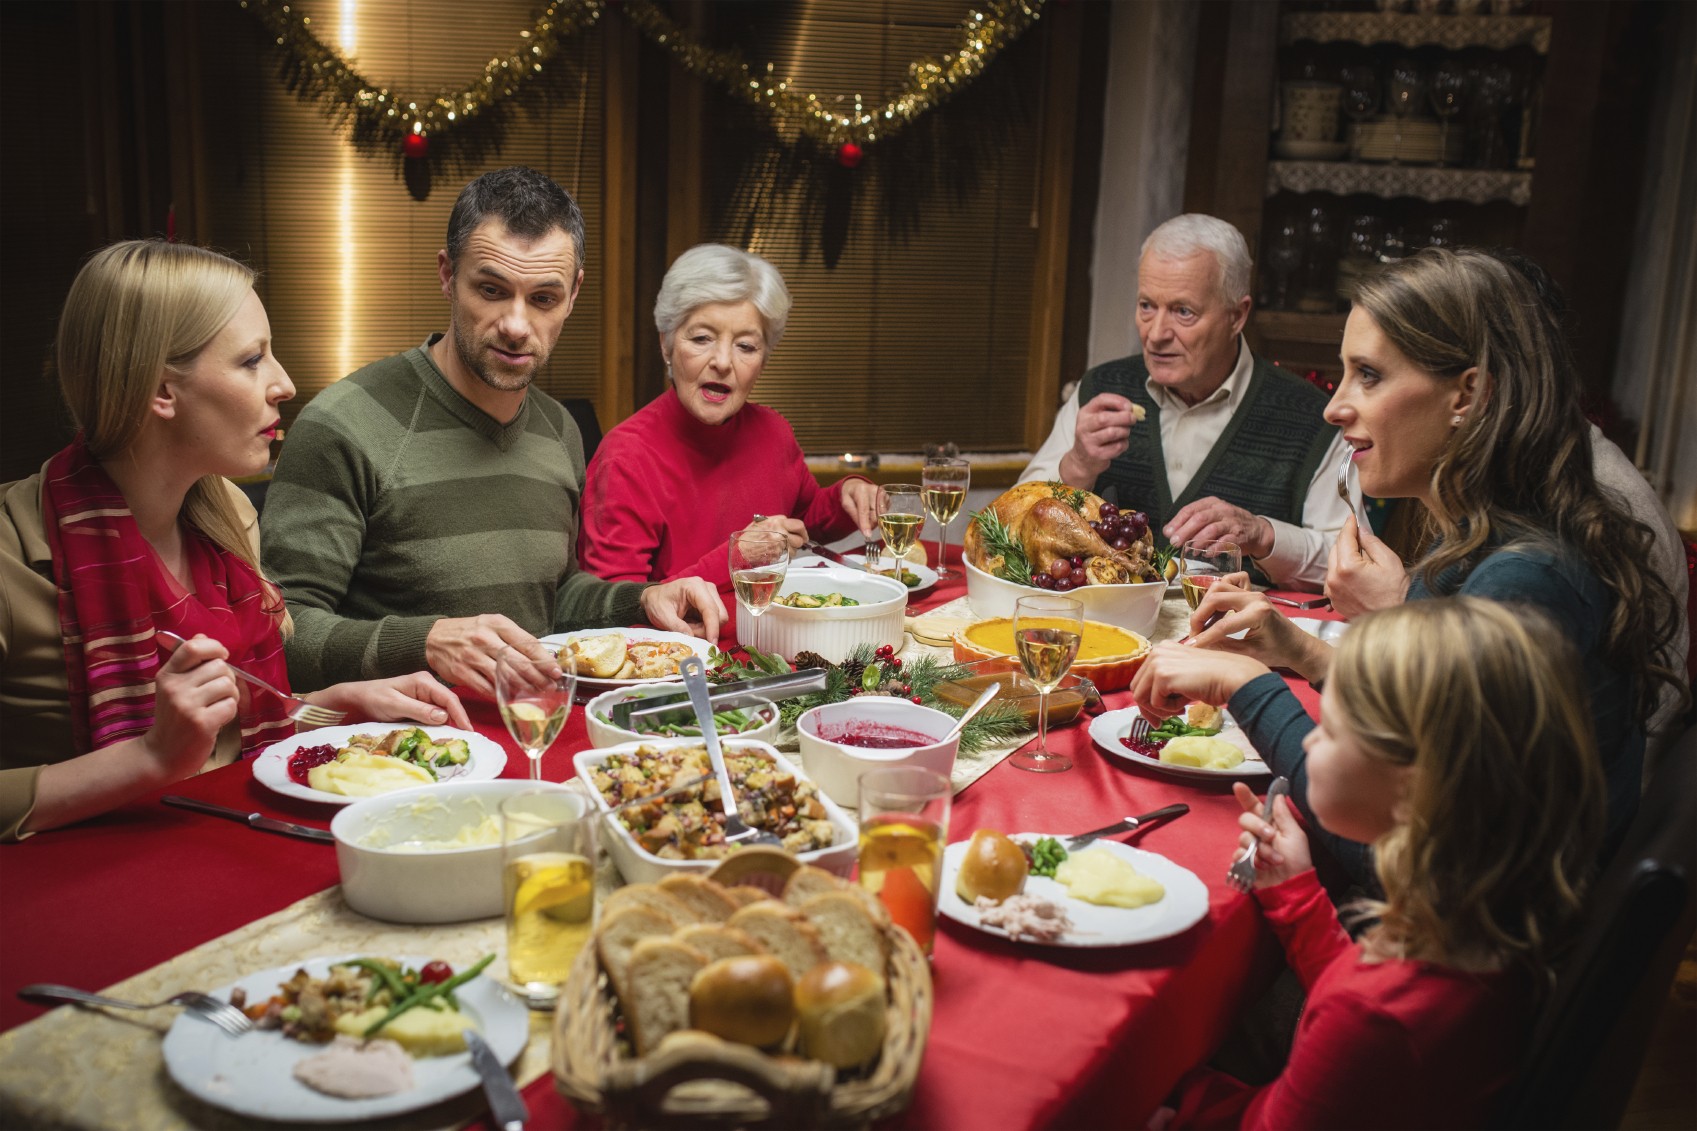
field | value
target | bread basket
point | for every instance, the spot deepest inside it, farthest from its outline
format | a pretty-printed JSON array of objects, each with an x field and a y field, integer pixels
[{"x": 718, "y": 1084}]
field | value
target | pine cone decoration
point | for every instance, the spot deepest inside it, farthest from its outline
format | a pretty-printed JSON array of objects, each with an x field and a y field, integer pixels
[
  {"x": 852, "y": 671},
  {"x": 807, "y": 660}
]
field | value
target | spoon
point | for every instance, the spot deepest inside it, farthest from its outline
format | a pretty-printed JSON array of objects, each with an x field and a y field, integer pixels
[
  {"x": 978, "y": 705},
  {"x": 737, "y": 831}
]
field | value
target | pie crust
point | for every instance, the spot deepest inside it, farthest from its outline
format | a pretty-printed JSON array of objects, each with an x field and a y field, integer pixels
[{"x": 1112, "y": 671}]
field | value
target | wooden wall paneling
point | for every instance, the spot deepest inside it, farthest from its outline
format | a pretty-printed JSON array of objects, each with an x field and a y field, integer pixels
[
  {"x": 1236, "y": 59},
  {"x": 686, "y": 199},
  {"x": 1058, "y": 122},
  {"x": 616, "y": 399},
  {"x": 1086, "y": 189},
  {"x": 183, "y": 103},
  {"x": 655, "y": 75}
]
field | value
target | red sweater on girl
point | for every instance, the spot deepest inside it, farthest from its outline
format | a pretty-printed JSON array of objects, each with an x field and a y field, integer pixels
[
  {"x": 1380, "y": 1044},
  {"x": 665, "y": 492}
]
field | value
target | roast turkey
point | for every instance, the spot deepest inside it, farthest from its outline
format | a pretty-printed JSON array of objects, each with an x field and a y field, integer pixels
[{"x": 1050, "y": 521}]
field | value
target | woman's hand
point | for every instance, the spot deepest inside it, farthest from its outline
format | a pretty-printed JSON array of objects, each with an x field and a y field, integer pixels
[
  {"x": 1284, "y": 846},
  {"x": 194, "y": 698},
  {"x": 1268, "y": 635},
  {"x": 1176, "y": 674},
  {"x": 864, "y": 501},
  {"x": 1364, "y": 573},
  {"x": 688, "y": 604},
  {"x": 781, "y": 524},
  {"x": 418, "y": 698}
]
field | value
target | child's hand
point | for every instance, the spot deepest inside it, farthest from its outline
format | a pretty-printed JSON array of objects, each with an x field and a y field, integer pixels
[{"x": 1284, "y": 846}]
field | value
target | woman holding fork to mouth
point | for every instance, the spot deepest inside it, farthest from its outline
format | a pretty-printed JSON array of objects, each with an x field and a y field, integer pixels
[{"x": 164, "y": 357}]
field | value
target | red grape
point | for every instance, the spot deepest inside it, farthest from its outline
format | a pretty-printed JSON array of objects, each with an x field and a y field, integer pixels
[
  {"x": 1043, "y": 580},
  {"x": 1121, "y": 542},
  {"x": 437, "y": 971},
  {"x": 1060, "y": 567},
  {"x": 1062, "y": 584},
  {"x": 1109, "y": 510},
  {"x": 1077, "y": 561},
  {"x": 1137, "y": 524}
]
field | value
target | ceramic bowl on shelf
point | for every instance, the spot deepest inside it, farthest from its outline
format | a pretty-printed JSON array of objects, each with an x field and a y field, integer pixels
[
  {"x": 834, "y": 630},
  {"x": 833, "y": 735},
  {"x": 1136, "y": 607}
]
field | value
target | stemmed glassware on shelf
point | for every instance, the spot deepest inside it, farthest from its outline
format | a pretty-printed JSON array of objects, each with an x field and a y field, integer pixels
[
  {"x": 758, "y": 560},
  {"x": 1360, "y": 102},
  {"x": 1449, "y": 92},
  {"x": 535, "y": 699},
  {"x": 944, "y": 483},
  {"x": 1407, "y": 89},
  {"x": 1047, "y": 632},
  {"x": 1284, "y": 262},
  {"x": 900, "y": 518}
]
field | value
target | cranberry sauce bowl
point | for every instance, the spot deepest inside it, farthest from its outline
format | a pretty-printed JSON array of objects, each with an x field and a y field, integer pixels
[{"x": 841, "y": 741}]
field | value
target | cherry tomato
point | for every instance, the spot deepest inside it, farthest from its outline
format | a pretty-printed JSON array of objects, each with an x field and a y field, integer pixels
[{"x": 434, "y": 972}]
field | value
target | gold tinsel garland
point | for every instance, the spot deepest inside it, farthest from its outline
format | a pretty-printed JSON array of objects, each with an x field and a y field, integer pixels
[{"x": 988, "y": 28}]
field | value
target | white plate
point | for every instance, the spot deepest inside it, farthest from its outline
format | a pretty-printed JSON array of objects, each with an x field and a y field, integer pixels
[
  {"x": 927, "y": 576},
  {"x": 560, "y": 639},
  {"x": 1106, "y": 730},
  {"x": 1185, "y": 904},
  {"x": 253, "y": 1074},
  {"x": 271, "y": 768},
  {"x": 1329, "y": 631}
]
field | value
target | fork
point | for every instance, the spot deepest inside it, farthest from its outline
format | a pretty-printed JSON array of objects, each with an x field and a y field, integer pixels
[
  {"x": 1139, "y": 728},
  {"x": 300, "y": 710},
  {"x": 221, "y": 1013},
  {"x": 1241, "y": 875},
  {"x": 1343, "y": 480}
]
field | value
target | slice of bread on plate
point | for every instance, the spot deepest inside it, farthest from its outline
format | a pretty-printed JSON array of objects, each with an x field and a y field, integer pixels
[
  {"x": 658, "y": 1000},
  {"x": 785, "y": 932},
  {"x": 599, "y": 657}
]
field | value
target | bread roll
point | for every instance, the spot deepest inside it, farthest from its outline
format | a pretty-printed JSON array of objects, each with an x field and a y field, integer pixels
[
  {"x": 750, "y": 1000},
  {"x": 842, "y": 1014},
  {"x": 993, "y": 866}
]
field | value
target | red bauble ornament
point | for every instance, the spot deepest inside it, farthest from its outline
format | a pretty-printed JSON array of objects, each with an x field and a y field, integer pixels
[
  {"x": 849, "y": 155},
  {"x": 415, "y": 145}
]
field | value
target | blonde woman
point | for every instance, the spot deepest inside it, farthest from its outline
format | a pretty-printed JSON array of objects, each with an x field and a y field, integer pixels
[
  {"x": 164, "y": 357},
  {"x": 1453, "y": 738}
]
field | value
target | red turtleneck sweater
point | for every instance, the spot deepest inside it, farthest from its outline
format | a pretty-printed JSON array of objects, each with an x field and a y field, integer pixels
[{"x": 665, "y": 492}]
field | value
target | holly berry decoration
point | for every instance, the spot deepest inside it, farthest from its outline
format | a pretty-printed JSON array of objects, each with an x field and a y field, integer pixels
[
  {"x": 849, "y": 154},
  {"x": 415, "y": 146}
]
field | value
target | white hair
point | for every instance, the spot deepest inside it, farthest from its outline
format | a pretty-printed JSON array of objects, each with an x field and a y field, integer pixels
[
  {"x": 1184, "y": 236},
  {"x": 713, "y": 273}
]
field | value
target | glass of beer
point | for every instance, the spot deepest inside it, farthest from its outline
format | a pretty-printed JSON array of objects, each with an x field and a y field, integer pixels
[
  {"x": 548, "y": 888},
  {"x": 900, "y": 518},
  {"x": 945, "y": 484},
  {"x": 1200, "y": 564},
  {"x": 904, "y": 822},
  {"x": 1046, "y": 632}
]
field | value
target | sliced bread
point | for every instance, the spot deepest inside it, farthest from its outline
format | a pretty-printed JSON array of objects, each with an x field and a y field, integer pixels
[
  {"x": 717, "y": 941},
  {"x": 706, "y": 900},
  {"x": 660, "y": 973},
  {"x": 618, "y": 935},
  {"x": 785, "y": 932},
  {"x": 743, "y": 895},
  {"x": 651, "y": 897},
  {"x": 847, "y": 930},
  {"x": 807, "y": 881}
]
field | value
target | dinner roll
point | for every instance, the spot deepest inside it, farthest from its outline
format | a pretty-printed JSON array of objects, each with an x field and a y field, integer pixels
[
  {"x": 750, "y": 999},
  {"x": 993, "y": 866},
  {"x": 841, "y": 1011}
]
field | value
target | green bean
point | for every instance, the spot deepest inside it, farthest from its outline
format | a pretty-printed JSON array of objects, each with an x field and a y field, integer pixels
[
  {"x": 386, "y": 974},
  {"x": 427, "y": 993}
]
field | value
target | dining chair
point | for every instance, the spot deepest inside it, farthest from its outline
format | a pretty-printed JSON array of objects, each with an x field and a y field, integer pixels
[
  {"x": 1591, "y": 1035},
  {"x": 582, "y": 412}
]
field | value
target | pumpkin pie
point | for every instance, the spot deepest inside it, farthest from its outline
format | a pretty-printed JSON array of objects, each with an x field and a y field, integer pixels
[{"x": 1108, "y": 655}]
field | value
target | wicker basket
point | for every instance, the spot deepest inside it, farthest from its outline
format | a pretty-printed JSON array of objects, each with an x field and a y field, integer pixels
[{"x": 718, "y": 1083}]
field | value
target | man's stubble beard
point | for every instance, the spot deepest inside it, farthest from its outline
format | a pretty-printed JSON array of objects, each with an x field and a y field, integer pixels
[{"x": 467, "y": 353}]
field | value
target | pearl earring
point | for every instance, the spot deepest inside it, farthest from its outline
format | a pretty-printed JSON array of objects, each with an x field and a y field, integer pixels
[{"x": 1455, "y": 421}]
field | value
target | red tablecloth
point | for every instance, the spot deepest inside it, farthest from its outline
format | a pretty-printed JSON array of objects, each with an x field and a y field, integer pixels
[{"x": 1022, "y": 1036}]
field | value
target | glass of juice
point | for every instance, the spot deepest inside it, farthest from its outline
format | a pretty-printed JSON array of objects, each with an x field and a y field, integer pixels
[
  {"x": 548, "y": 888},
  {"x": 904, "y": 822}
]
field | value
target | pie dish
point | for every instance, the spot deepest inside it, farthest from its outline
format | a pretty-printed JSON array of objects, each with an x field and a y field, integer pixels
[{"x": 1108, "y": 656}]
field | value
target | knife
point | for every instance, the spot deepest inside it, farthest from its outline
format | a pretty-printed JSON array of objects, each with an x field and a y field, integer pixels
[
  {"x": 828, "y": 554},
  {"x": 1077, "y": 842},
  {"x": 1310, "y": 603},
  {"x": 505, "y": 1103},
  {"x": 252, "y": 820}
]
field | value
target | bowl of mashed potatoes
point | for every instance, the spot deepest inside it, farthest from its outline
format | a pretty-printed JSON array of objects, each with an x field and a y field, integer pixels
[{"x": 428, "y": 855}]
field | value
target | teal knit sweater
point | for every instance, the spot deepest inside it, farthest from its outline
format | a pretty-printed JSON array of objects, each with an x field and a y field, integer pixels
[{"x": 397, "y": 502}]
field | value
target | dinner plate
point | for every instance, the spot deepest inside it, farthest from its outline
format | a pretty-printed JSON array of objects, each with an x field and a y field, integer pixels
[
  {"x": 927, "y": 576},
  {"x": 271, "y": 768},
  {"x": 1329, "y": 631},
  {"x": 701, "y": 648},
  {"x": 1107, "y": 729},
  {"x": 253, "y": 1074},
  {"x": 1184, "y": 905}
]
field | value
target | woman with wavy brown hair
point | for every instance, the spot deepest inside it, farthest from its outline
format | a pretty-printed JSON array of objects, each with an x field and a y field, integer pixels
[
  {"x": 1453, "y": 738},
  {"x": 1459, "y": 391}
]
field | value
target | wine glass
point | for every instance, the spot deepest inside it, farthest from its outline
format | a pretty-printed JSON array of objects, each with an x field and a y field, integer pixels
[
  {"x": 944, "y": 483},
  {"x": 535, "y": 698},
  {"x": 1449, "y": 91},
  {"x": 1407, "y": 89},
  {"x": 759, "y": 560},
  {"x": 1360, "y": 102},
  {"x": 1202, "y": 563},
  {"x": 1046, "y": 631},
  {"x": 901, "y": 517},
  {"x": 1284, "y": 260}
]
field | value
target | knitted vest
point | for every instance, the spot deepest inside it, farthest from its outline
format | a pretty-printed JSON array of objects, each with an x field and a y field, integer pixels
[{"x": 1263, "y": 461}]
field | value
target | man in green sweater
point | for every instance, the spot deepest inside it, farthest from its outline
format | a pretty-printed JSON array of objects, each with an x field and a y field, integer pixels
[{"x": 425, "y": 508}]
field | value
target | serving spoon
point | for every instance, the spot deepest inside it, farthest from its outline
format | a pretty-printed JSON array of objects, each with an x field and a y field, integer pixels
[
  {"x": 736, "y": 830},
  {"x": 978, "y": 705}
]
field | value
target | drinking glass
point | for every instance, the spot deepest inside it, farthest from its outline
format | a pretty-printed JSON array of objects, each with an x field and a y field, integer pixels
[
  {"x": 944, "y": 483},
  {"x": 759, "y": 560},
  {"x": 547, "y": 887},
  {"x": 1046, "y": 632},
  {"x": 901, "y": 517},
  {"x": 1200, "y": 564},
  {"x": 1407, "y": 89},
  {"x": 1360, "y": 102},
  {"x": 1284, "y": 261},
  {"x": 535, "y": 698},
  {"x": 1449, "y": 91},
  {"x": 904, "y": 823}
]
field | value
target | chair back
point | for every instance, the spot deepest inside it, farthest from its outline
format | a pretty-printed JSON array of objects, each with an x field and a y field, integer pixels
[
  {"x": 1589, "y": 1041},
  {"x": 582, "y": 411}
]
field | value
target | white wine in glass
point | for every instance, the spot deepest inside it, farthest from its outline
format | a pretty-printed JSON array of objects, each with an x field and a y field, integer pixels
[
  {"x": 900, "y": 518},
  {"x": 945, "y": 482},
  {"x": 759, "y": 560},
  {"x": 535, "y": 698},
  {"x": 1200, "y": 564},
  {"x": 1047, "y": 632}
]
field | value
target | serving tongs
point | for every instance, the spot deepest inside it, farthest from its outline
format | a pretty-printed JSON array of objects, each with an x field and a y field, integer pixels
[
  {"x": 675, "y": 706},
  {"x": 736, "y": 830}
]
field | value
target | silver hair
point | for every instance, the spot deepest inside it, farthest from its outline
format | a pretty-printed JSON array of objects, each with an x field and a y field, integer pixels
[
  {"x": 714, "y": 273},
  {"x": 1184, "y": 236}
]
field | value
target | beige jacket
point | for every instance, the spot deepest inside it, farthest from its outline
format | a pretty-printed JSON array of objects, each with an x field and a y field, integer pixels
[{"x": 35, "y": 718}]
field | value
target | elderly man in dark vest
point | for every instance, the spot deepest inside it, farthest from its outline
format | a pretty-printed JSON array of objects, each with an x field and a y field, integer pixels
[{"x": 1207, "y": 439}]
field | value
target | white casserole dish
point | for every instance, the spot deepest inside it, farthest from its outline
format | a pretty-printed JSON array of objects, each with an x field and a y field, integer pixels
[
  {"x": 639, "y": 866},
  {"x": 1136, "y": 607},
  {"x": 835, "y": 631},
  {"x": 603, "y": 732},
  {"x": 836, "y": 767}
]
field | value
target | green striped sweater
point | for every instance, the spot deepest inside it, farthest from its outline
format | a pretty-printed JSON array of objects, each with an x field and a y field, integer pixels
[{"x": 397, "y": 502}]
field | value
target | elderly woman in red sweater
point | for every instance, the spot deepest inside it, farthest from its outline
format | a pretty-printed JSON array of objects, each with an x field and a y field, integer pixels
[{"x": 669, "y": 486}]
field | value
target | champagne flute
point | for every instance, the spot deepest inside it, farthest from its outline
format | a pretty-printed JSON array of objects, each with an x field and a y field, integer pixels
[
  {"x": 1360, "y": 102},
  {"x": 944, "y": 482},
  {"x": 759, "y": 559},
  {"x": 1047, "y": 632},
  {"x": 901, "y": 518},
  {"x": 1201, "y": 563},
  {"x": 535, "y": 698}
]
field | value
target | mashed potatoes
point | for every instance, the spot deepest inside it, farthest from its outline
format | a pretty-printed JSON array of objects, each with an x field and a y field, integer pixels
[
  {"x": 356, "y": 774},
  {"x": 1098, "y": 876},
  {"x": 1203, "y": 753},
  {"x": 422, "y": 1031}
]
